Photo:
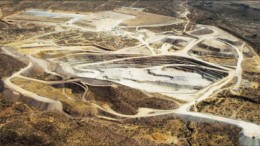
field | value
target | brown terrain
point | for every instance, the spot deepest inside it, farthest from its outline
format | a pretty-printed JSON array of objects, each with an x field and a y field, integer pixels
[
  {"x": 23, "y": 125},
  {"x": 75, "y": 85}
]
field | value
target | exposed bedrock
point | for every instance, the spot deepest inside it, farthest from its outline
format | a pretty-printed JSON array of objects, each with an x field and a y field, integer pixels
[
  {"x": 208, "y": 49},
  {"x": 215, "y": 49},
  {"x": 151, "y": 61},
  {"x": 91, "y": 58},
  {"x": 211, "y": 53},
  {"x": 174, "y": 86},
  {"x": 211, "y": 75},
  {"x": 232, "y": 42}
]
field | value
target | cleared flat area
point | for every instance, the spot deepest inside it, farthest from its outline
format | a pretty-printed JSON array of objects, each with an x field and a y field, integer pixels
[
  {"x": 143, "y": 19},
  {"x": 41, "y": 16},
  {"x": 103, "y": 20}
]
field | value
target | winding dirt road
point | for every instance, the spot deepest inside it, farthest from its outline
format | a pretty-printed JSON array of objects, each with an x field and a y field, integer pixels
[{"x": 249, "y": 130}]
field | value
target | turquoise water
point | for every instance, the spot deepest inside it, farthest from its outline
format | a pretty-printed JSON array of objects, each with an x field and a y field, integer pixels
[{"x": 44, "y": 13}]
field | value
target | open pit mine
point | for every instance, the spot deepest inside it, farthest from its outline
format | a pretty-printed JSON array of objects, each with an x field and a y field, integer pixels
[{"x": 127, "y": 73}]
